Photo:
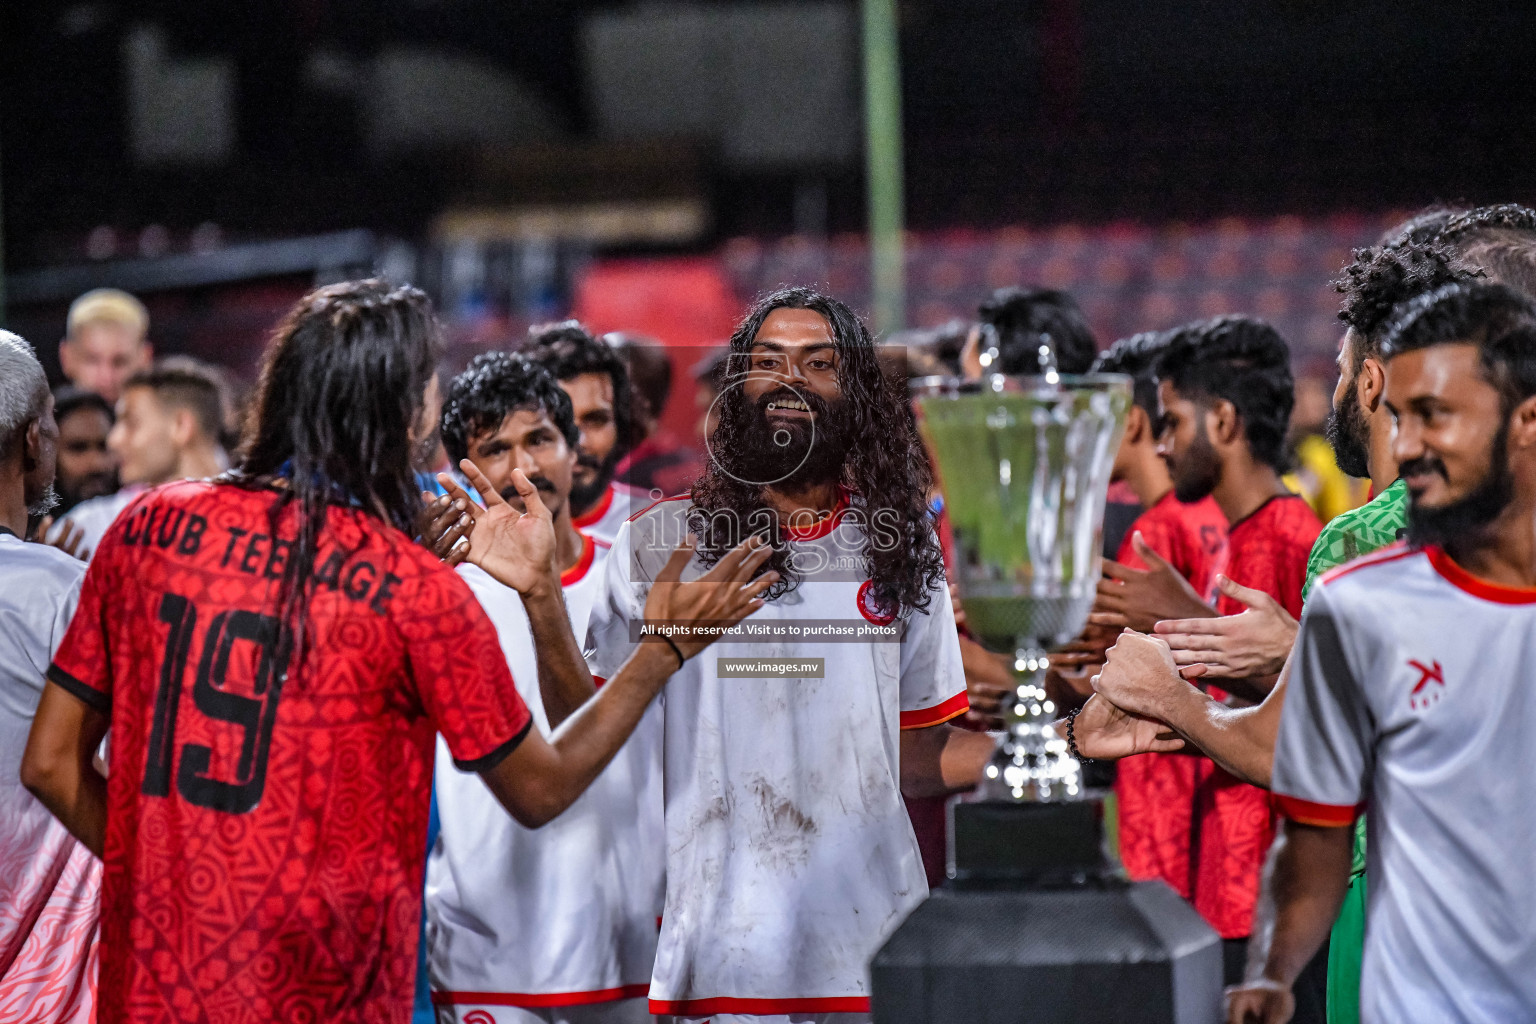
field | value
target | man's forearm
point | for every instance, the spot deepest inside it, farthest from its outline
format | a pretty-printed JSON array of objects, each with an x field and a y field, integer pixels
[
  {"x": 591, "y": 736},
  {"x": 1310, "y": 880},
  {"x": 942, "y": 759},
  {"x": 58, "y": 766},
  {"x": 565, "y": 683},
  {"x": 1263, "y": 933},
  {"x": 1241, "y": 740}
]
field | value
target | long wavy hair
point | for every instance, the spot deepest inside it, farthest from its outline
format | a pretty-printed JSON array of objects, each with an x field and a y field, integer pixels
[
  {"x": 884, "y": 466},
  {"x": 342, "y": 382}
]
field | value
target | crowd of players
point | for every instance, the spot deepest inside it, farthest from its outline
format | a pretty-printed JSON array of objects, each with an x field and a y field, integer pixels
[{"x": 382, "y": 689}]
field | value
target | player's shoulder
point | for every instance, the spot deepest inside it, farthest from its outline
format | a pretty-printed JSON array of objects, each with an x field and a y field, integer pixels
[
  {"x": 664, "y": 509},
  {"x": 1291, "y": 521},
  {"x": 29, "y": 566},
  {"x": 1373, "y": 571}
]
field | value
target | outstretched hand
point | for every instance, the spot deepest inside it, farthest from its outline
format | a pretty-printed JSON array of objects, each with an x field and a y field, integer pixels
[
  {"x": 1138, "y": 598},
  {"x": 719, "y": 599},
  {"x": 1251, "y": 644},
  {"x": 1106, "y": 732},
  {"x": 515, "y": 548}
]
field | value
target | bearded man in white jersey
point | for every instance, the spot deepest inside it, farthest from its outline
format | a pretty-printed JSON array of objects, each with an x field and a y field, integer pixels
[
  {"x": 1409, "y": 690},
  {"x": 557, "y": 924},
  {"x": 789, "y": 853},
  {"x": 50, "y": 884},
  {"x": 597, "y": 379}
]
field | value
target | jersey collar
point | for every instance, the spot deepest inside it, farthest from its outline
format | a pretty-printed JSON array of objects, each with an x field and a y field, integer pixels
[
  {"x": 822, "y": 526},
  {"x": 596, "y": 512},
  {"x": 583, "y": 563},
  {"x": 1476, "y": 586}
]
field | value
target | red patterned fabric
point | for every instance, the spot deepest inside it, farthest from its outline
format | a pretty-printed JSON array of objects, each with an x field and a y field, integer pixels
[
  {"x": 1156, "y": 792},
  {"x": 1266, "y": 551},
  {"x": 267, "y": 815}
]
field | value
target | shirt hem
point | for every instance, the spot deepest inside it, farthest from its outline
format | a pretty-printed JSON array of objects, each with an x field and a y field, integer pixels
[
  {"x": 1306, "y": 812},
  {"x": 84, "y": 692},
  {"x": 537, "y": 1000},
  {"x": 924, "y": 718},
  {"x": 731, "y": 1004}
]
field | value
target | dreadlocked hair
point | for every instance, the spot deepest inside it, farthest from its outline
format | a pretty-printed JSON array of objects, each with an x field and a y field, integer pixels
[
  {"x": 887, "y": 469},
  {"x": 343, "y": 379},
  {"x": 1380, "y": 278}
]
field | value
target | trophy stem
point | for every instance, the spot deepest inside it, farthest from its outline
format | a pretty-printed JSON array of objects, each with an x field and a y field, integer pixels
[{"x": 1031, "y": 763}]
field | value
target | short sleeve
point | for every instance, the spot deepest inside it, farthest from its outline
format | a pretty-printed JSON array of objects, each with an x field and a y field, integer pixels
[
  {"x": 460, "y": 672},
  {"x": 620, "y": 601},
  {"x": 82, "y": 664},
  {"x": 932, "y": 676},
  {"x": 1324, "y": 755}
]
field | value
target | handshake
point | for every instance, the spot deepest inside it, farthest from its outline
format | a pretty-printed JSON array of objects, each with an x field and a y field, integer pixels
[{"x": 1142, "y": 698}]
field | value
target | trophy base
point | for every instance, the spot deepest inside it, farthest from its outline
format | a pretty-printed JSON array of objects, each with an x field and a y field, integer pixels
[{"x": 995, "y": 844}]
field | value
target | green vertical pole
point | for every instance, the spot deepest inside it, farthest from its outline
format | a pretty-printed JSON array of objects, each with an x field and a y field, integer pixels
[{"x": 882, "y": 138}]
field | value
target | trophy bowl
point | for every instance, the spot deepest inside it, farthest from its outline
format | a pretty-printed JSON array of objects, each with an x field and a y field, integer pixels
[{"x": 1024, "y": 465}]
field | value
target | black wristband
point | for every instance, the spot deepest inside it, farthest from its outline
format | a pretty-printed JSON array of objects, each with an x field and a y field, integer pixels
[
  {"x": 675, "y": 649},
  {"x": 1072, "y": 738}
]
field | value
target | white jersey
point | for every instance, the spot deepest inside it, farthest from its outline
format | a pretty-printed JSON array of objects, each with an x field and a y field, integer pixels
[
  {"x": 613, "y": 509},
  {"x": 94, "y": 515},
  {"x": 560, "y": 916},
  {"x": 50, "y": 885},
  {"x": 790, "y": 856},
  {"x": 1411, "y": 690}
]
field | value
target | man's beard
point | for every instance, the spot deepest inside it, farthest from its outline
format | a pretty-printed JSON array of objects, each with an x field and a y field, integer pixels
[
  {"x": 812, "y": 451},
  {"x": 547, "y": 494},
  {"x": 1468, "y": 516},
  {"x": 584, "y": 496},
  {"x": 45, "y": 502},
  {"x": 1349, "y": 434},
  {"x": 1197, "y": 470}
]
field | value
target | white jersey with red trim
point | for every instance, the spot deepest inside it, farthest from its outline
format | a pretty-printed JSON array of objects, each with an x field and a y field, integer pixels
[
  {"x": 1411, "y": 690},
  {"x": 50, "y": 884},
  {"x": 613, "y": 509},
  {"x": 790, "y": 856},
  {"x": 564, "y": 915}
]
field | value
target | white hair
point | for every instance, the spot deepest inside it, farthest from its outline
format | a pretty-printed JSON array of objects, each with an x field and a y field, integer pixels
[{"x": 23, "y": 387}]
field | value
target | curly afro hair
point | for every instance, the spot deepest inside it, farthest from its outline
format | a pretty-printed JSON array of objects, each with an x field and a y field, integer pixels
[
  {"x": 493, "y": 387},
  {"x": 1484, "y": 219},
  {"x": 1381, "y": 278}
]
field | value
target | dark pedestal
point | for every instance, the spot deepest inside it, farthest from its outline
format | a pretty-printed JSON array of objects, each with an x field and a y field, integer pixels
[{"x": 1036, "y": 928}]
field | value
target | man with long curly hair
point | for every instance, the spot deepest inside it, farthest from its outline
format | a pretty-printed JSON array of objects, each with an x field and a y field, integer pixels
[
  {"x": 789, "y": 854},
  {"x": 274, "y": 656}
]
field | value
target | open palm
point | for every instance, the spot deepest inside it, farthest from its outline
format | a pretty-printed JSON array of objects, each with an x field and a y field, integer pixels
[{"x": 515, "y": 548}]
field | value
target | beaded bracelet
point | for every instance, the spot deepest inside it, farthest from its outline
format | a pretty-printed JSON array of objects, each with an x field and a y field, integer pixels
[{"x": 1072, "y": 738}]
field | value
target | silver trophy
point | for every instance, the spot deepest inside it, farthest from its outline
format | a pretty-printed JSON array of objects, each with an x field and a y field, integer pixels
[{"x": 1024, "y": 465}]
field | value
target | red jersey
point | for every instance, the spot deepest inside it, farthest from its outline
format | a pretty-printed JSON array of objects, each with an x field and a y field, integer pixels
[
  {"x": 1155, "y": 793},
  {"x": 266, "y": 814},
  {"x": 1266, "y": 551}
]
